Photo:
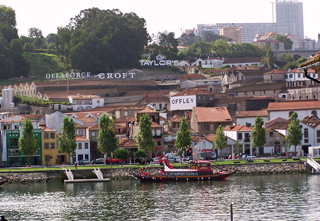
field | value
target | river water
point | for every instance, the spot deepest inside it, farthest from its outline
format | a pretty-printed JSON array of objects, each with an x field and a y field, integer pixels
[{"x": 256, "y": 197}]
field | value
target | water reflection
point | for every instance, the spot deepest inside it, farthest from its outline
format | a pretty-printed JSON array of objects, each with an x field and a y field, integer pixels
[{"x": 275, "y": 197}]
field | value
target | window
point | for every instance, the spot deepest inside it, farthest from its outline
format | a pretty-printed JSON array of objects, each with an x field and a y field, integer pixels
[
  {"x": 306, "y": 135},
  {"x": 86, "y": 156},
  {"x": 13, "y": 142},
  {"x": 16, "y": 127},
  {"x": 52, "y": 146},
  {"x": 86, "y": 146},
  {"x": 239, "y": 136},
  {"x": 318, "y": 136},
  {"x": 79, "y": 146},
  {"x": 81, "y": 132},
  {"x": 46, "y": 146},
  {"x": 159, "y": 143},
  {"x": 158, "y": 132},
  {"x": 52, "y": 136},
  {"x": 271, "y": 134},
  {"x": 47, "y": 158},
  {"x": 46, "y": 135},
  {"x": 93, "y": 134},
  {"x": 314, "y": 112}
]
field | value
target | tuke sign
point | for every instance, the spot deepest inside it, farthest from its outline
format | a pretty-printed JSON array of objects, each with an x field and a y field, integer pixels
[
  {"x": 159, "y": 62},
  {"x": 81, "y": 75}
]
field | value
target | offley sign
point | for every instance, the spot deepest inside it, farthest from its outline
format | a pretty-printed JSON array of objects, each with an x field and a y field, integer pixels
[
  {"x": 159, "y": 62},
  {"x": 81, "y": 75},
  {"x": 183, "y": 102}
]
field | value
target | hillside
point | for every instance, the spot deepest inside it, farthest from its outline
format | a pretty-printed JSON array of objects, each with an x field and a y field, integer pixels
[{"x": 42, "y": 64}]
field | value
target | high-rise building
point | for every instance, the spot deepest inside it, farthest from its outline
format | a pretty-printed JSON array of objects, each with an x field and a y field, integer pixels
[
  {"x": 289, "y": 20},
  {"x": 289, "y": 17}
]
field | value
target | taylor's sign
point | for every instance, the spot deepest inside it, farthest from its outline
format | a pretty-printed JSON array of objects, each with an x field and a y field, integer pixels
[
  {"x": 79, "y": 75},
  {"x": 183, "y": 102},
  {"x": 159, "y": 62}
]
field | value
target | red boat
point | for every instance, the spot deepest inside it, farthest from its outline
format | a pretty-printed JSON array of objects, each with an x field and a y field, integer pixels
[{"x": 198, "y": 170}]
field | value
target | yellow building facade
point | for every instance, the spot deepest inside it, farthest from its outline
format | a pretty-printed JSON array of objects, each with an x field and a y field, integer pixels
[{"x": 50, "y": 152}]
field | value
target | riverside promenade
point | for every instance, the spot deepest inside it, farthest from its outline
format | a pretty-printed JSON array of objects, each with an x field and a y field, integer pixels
[{"x": 114, "y": 172}]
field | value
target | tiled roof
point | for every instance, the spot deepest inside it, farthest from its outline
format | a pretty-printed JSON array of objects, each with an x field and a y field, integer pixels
[
  {"x": 253, "y": 113},
  {"x": 277, "y": 71},
  {"x": 125, "y": 119},
  {"x": 312, "y": 121},
  {"x": 125, "y": 142},
  {"x": 258, "y": 87},
  {"x": 293, "y": 105},
  {"x": 148, "y": 110},
  {"x": 192, "y": 76},
  {"x": 237, "y": 128},
  {"x": 94, "y": 127},
  {"x": 80, "y": 138},
  {"x": 242, "y": 60},
  {"x": 277, "y": 123},
  {"x": 210, "y": 137},
  {"x": 212, "y": 114},
  {"x": 193, "y": 91},
  {"x": 47, "y": 129}
]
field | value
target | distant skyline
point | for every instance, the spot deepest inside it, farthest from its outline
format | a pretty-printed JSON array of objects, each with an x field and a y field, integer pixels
[{"x": 173, "y": 16}]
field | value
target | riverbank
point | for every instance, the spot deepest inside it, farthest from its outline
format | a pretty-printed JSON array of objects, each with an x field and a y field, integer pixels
[{"x": 126, "y": 172}]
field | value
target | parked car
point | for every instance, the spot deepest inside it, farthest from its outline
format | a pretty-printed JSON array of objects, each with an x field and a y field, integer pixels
[
  {"x": 84, "y": 162},
  {"x": 18, "y": 165},
  {"x": 98, "y": 161},
  {"x": 4, "y": 164}
]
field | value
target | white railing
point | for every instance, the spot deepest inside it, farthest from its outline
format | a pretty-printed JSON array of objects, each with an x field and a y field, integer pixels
[
  {"x": 69, "y": 174},
  {"x": 313, "y": 164},
  {"x": 98, "y": 173}
]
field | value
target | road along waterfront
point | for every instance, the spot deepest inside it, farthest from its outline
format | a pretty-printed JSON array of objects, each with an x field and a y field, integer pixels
[{"x": 254, "y": 197}]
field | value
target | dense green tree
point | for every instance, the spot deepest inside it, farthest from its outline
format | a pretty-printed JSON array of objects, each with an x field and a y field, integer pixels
[
  {"x": 145, "y": 138},
  {"x": 258, "y": 135},
  {"x": 220, "y": 140},
  {"x": 27, "y": 142},
  {"x": 294, "y": 135},
  {"x": 67, "y": 140},
  {"x": 268, "y": 59},
  {"x": 140, "y": 154},
  {"x": 183, "y": 140},
  {"x": 211, "y": 37},
  {"x": 287, "y": 42},
  {"x": 35, "y": 33},
  {"x": 168, "y": 46},
  {"x": 121, "y": 154},
  {"x": 102, "y": 40},
  {"x": 200, "y": 49},
  {"x": 11, "y": 60},
  {"x": 188, "y": 39},
  {"x": 107, "y": 140}
]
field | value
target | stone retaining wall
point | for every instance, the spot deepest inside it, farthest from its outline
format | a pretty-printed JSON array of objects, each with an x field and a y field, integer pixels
[{"x": 126, "y": 172}]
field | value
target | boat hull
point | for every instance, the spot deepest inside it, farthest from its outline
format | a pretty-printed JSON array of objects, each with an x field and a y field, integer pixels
[{"x": 164, "y": 178}]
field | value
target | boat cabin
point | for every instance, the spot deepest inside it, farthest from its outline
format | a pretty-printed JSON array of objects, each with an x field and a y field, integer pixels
[{"x": 203, "y": 167}]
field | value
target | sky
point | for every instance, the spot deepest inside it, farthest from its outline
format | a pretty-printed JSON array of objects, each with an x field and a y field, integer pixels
[{"x": 165, "y": 15}]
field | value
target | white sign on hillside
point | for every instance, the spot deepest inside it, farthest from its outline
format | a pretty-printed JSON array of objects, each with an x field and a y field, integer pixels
[
  {"x": 159, "y": 62},
  {"x": 183, "y": 102}
]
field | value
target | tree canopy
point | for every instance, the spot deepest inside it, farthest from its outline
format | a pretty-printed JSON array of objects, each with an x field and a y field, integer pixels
[
  {"x": 102, "y": 40},
  {"x": 107, "y": 141},
  {"x": 183, "y": 136},
  {"x": 220, "y": 140},
  {"x": 27, "y": 142},
  {"x": 145, "y": 138},
  {"x": 294, "y": 134},
  {"x": 11, "y": 60},
  {"x": 67, "y": 140},
  {"x": 259, "y": 137}
]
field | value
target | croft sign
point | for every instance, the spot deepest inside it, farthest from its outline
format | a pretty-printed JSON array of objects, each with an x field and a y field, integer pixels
[
  {"x": 159, "y": 62},
  {"x": 79, "y": 75}
]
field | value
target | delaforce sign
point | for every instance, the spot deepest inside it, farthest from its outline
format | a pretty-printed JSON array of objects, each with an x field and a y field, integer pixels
[
  {"x": 159, "y": 62},
  {"x": 183, "y": 102},
  {"x": 77, "y": 75}
]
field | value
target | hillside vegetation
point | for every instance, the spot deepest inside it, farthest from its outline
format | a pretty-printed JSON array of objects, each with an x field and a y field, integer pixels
[{"x": 42, "y": 64}]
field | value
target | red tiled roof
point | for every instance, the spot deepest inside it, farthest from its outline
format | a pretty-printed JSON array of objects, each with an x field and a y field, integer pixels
[
  {"x": 253, "y": 113},
  {"x": 312, "y": 121},
  {"x": 193, "y": 91},
  {"x": 125, "y": 142},
  {"x": 237, "y": 128},
  {"x": 212, "y": 114},
  {"x": 192, "y": 76},
  {"x": 79, "y": 138},
  {"x": 293, "y": 105}
]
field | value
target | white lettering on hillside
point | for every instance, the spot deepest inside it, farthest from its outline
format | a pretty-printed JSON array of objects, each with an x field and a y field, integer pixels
[{"x": 81, "y": 75}]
